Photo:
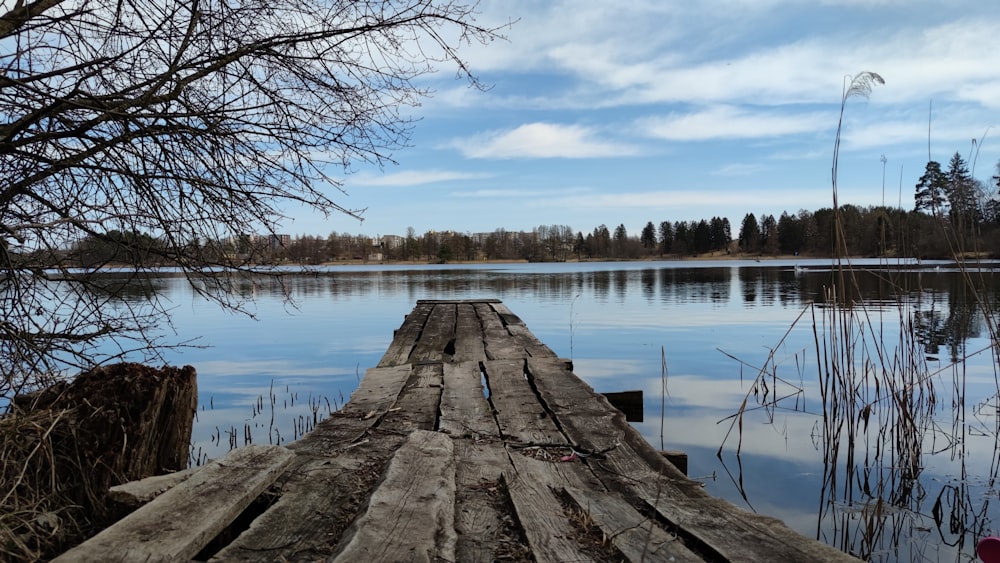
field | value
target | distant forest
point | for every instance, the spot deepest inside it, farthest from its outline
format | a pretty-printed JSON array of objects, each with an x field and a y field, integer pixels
[{"x": 953, "y": 215}]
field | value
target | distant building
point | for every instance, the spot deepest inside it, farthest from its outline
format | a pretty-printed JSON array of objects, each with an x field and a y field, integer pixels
[
  {"x": 279, "y": 242},
  {"x": 392, "y": 241}
]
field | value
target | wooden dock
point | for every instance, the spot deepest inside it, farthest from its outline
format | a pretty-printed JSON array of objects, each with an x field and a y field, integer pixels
[{"x": 470, "y": 441}]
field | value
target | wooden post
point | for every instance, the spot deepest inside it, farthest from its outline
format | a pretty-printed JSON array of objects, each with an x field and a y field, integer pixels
[
  {"x": 678, "y": 458},
  {"x": 629, "y": 402},
  {"x": 108, "y": 426}
]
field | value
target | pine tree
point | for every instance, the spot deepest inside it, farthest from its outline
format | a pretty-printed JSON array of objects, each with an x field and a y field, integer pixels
[
  {"x": 648, "y": 236},
  {"x": 721, "y": 234},
  {"x": 682, "y": 237},
  {"x": 960, "y": 188},
  {"x": 930, "y": 190},
  {"x": 666, "y": 237},
  {"x": 789, "y": 234},
  {"x": 749, "y": 234},
  {"x": 702, "y": 237},
  {"x": 769, "y": 234},
  {"x": 991, "y": 209}
]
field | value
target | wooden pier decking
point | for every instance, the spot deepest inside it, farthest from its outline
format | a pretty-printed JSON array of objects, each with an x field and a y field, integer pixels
[{"x": 470, "y": 441}]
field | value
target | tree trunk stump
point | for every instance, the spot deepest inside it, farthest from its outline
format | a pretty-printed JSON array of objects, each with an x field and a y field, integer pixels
[{"x": 63, "y": 447}]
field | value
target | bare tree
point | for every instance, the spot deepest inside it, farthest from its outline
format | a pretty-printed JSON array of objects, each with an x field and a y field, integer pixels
[{"x": 142, "y": 133}]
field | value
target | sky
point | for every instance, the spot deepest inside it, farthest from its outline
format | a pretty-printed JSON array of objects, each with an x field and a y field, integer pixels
[{"x": 603, "y": 112}]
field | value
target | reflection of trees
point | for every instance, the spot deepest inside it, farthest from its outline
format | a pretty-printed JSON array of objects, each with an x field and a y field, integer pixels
[
  {"x": 929, "y": 326},
  {"x": 944, "y": 311},
  {"x": 883, "y": 402},
  {"x": 882, "y": 407},
  {"x": 879, "y": 405},
  {"x": 766, "y": 285},
  {"x": 695, "y": 285},
  {"x": 964, "y": 320},
  {"x": 700, "y": 285},
  {"x": 947, "y": 319},
  {"x": 601, "y": 282},
  {"x": 621, "y": 284},
  {"x": 750, "y": 279},
  {"x": 131, "y": 289},
  {"x": 648, "y": 284}
]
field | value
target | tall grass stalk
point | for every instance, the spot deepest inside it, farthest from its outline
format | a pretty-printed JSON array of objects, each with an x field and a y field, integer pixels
[
  {"x": 663, "y": 393},
  {"x": 879, "y": 397}
]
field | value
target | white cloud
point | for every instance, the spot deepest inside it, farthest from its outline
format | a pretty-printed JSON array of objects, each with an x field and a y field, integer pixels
[
  {"x": 710, "y": 53},
  {"x": 544, "y": 29},
  {"x": 728, "y": 122},
  {"x": 878, "y": 135},
  {"x": 541, "y": 140},
  {"x": 739, "y": 169},
  {"x": 986, "y": 94},
  {"x": 494, "y": 193},
  {"x": 414, "y": 178},
  {"x": 517, "y": 194},
  {"x": 952, "y": 129},
  {"x": 802, "y": 154},
  {"x": 688, "y": 198}
]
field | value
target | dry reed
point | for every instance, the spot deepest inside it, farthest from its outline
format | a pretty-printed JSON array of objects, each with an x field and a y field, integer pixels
[{"x": 879, "y": 400}]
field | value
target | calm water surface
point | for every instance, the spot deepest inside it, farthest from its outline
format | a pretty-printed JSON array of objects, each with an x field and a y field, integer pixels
[{"x": 714, "y": 326}]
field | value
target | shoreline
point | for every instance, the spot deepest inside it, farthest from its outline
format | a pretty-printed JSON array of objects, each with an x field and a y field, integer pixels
[
  {"x": 673, "y": 258},
  {"x": 707, "y": 258}
]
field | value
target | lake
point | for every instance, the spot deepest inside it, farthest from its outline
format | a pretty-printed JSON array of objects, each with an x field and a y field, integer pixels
[{"x": 858, "y": 427}]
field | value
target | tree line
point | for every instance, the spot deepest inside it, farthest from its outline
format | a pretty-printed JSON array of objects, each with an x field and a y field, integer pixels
[
  {"x": 877, "y": 231},
  {"x": 953, "y": 214}
]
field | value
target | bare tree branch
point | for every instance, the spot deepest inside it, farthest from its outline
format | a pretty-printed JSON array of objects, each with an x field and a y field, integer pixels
[{"x": 148, "y": 133}]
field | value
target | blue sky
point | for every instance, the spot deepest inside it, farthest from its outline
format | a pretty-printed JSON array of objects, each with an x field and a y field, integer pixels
[{"x": 614, "y": 113}]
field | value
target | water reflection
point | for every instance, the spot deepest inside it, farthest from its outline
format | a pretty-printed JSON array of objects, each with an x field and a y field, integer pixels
[
  {"x": 861, "y": 428},
  {"x": 884, "y": 413}
]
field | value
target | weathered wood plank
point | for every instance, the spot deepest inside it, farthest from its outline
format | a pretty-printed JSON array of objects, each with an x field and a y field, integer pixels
[
  {"x": 520, "y": 334},
  {"x": 506, "y": 315},
  {"x": 406, "y": 336},
  {"x": 418, "y": 403},
  {"x": 378, "y": 390},
  {"x": 370, "y": 402},
  {"x": 137, "y": 493},
  {"x": 411, "y": 515},
  {"x": 735, "y": 534},
  {"x": 479, "y": 516},
  {"x": 324, "y": 494},
  {"x": 464, "y": 408},
  {"x": 320, "y": 497},
  {"x": 518, "y": 411},
  {"x": 632, "y": 464},
  {"x": 529, "y": 342},
  {"x": 499, "y": 344},
  {"x": 469, "y": 337},
  {"x": 637, "y": 537},
  {"x": 587, "y": 417},
  {"x": 546, "y": 526},
  {"x": 181, "y": 521},
  {"x": 438, "y": 337}
]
